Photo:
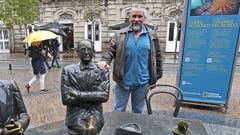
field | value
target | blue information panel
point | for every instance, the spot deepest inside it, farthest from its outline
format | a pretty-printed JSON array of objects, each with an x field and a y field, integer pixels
[{"x": 208, "y": 49}]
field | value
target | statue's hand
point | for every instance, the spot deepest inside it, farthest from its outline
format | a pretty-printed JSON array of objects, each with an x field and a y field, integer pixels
[
  {"x": 12, "y": 128},
  {"x": 14, "y": 131},
  {"x": 91, "y": 128},
  {"x": 73, "y": 93}
]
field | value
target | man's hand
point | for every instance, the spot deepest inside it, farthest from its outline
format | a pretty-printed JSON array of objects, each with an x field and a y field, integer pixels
[
  {"x": 102, "y": 64},
  {"x": 73, "y": 93}
]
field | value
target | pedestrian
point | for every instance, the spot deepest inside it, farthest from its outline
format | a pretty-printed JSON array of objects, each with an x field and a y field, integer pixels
[
  {"x": 37, "y": 61},
  {"x": 54, "y": 46},
  {"x": 138, "y": 61},
  {"x": 46, "y": 53},
  {"x": 84, "y": 87},
  {"x": 25, "y": 46},
  {"x": 14, "y": 118}
]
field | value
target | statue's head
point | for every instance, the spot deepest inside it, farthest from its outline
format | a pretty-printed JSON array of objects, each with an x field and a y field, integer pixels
[{"x": 85, "y": 50}]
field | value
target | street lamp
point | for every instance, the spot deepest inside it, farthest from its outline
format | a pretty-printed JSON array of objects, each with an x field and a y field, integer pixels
[{"x": 177, "y": 18}]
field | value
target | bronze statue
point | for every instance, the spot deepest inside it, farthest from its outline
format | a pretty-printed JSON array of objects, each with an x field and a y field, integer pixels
[
  {"x": 84, "y": 87},
  {"x": 13, "y": 114}
]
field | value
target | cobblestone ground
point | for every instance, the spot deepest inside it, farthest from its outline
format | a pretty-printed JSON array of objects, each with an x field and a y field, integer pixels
[{"x": 47, "y": 107}]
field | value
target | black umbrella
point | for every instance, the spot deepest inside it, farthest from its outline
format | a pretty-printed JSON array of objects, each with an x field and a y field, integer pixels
[
  {"x": 126, "y": 24},
  {"x": 57, "y": 31},
  {"x": 52, "y": 25}
]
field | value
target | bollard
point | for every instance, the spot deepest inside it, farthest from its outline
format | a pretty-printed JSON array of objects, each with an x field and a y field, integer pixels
[{"x": 10, "y": 66}]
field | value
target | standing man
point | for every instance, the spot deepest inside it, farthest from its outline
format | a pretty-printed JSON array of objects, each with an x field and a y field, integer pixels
[
  {"x": 138, "y": 61},
  {"x": 55, "y": 45},
  {"x": 84, "y": 87}
]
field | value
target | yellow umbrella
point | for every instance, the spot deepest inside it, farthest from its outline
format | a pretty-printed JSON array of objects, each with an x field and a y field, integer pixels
[
  {"x": 37, "y": 43},
  {"x": 39, "y": 36}
]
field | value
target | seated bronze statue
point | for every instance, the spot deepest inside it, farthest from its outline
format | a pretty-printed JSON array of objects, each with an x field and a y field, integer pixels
[
  {"x": 13, "y": 114},
  {"x": 84, "y": 87}
]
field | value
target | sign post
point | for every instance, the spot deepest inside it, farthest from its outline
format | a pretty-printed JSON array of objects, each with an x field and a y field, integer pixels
[{"x": 209, "y": 47}]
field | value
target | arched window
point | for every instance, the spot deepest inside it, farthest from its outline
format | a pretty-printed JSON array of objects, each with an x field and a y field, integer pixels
[{"x": 65, "y": 16}]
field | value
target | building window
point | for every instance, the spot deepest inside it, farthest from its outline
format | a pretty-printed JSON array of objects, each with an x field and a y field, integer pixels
[
  {"x": 97, "y": 32},
  {"x": 171, "y": 31},
  {"x": 4, "y": 40},
  {"x": 89, "y": 31}
]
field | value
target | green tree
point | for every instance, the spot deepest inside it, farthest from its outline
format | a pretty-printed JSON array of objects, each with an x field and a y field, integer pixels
[
  {"x": 19, "y": 12},
  {"x": 92, "y": 12}
]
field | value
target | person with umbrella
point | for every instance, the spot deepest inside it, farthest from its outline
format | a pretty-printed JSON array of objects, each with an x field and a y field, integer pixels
[
  {"x": 54, "y": 45},
  {"x": 37, "y": 61},
  {"x": 37, "y": 58}
]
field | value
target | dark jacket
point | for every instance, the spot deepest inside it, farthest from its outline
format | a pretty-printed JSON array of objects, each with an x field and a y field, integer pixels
[
  {"x": 12, "y": 105},
  {"x": 116, "y": 50},
  {"x": 54, "y": 47},
  {"x": 37, "y": 60},
  {"x": 92, "y": 86}
]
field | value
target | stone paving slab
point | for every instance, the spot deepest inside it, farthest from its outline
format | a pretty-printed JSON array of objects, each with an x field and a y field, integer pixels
[{"x": 215, "y": 129}]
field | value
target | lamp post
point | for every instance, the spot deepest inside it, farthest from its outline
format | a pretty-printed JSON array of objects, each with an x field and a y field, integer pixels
[{"x": 177, "y": 19}]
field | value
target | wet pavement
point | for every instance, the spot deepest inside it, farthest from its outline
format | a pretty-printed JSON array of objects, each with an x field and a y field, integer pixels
[{"x": 47, "y": 108}]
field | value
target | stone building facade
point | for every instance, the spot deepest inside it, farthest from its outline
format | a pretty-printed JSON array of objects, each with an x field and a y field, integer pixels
[{"x": 161, "y": 13}]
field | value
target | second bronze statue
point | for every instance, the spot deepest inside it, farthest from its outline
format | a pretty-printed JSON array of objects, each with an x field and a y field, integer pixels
[{"x": 84, "y": 87}]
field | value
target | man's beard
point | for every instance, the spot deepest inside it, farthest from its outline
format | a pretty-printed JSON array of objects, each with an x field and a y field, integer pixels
[{"x": 136, "y": 27}]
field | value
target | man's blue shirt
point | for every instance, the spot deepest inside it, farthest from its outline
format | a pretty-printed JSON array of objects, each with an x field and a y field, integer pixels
[{"x": 136, "y": 70}]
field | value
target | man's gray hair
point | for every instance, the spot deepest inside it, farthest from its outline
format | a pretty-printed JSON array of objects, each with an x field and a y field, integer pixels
[{"x": 139, "y": 6}]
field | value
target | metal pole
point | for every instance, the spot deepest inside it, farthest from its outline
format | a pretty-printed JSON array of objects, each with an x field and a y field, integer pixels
[
  {"x": 176, "y": 40},
  {"x": 178, "y": 28},
  {"x": 10, "y": 67}
]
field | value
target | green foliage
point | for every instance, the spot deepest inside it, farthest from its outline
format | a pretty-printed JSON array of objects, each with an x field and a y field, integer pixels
[
  {"x": 92, "y": 11},
  {"x": 19, "y": 12}
]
